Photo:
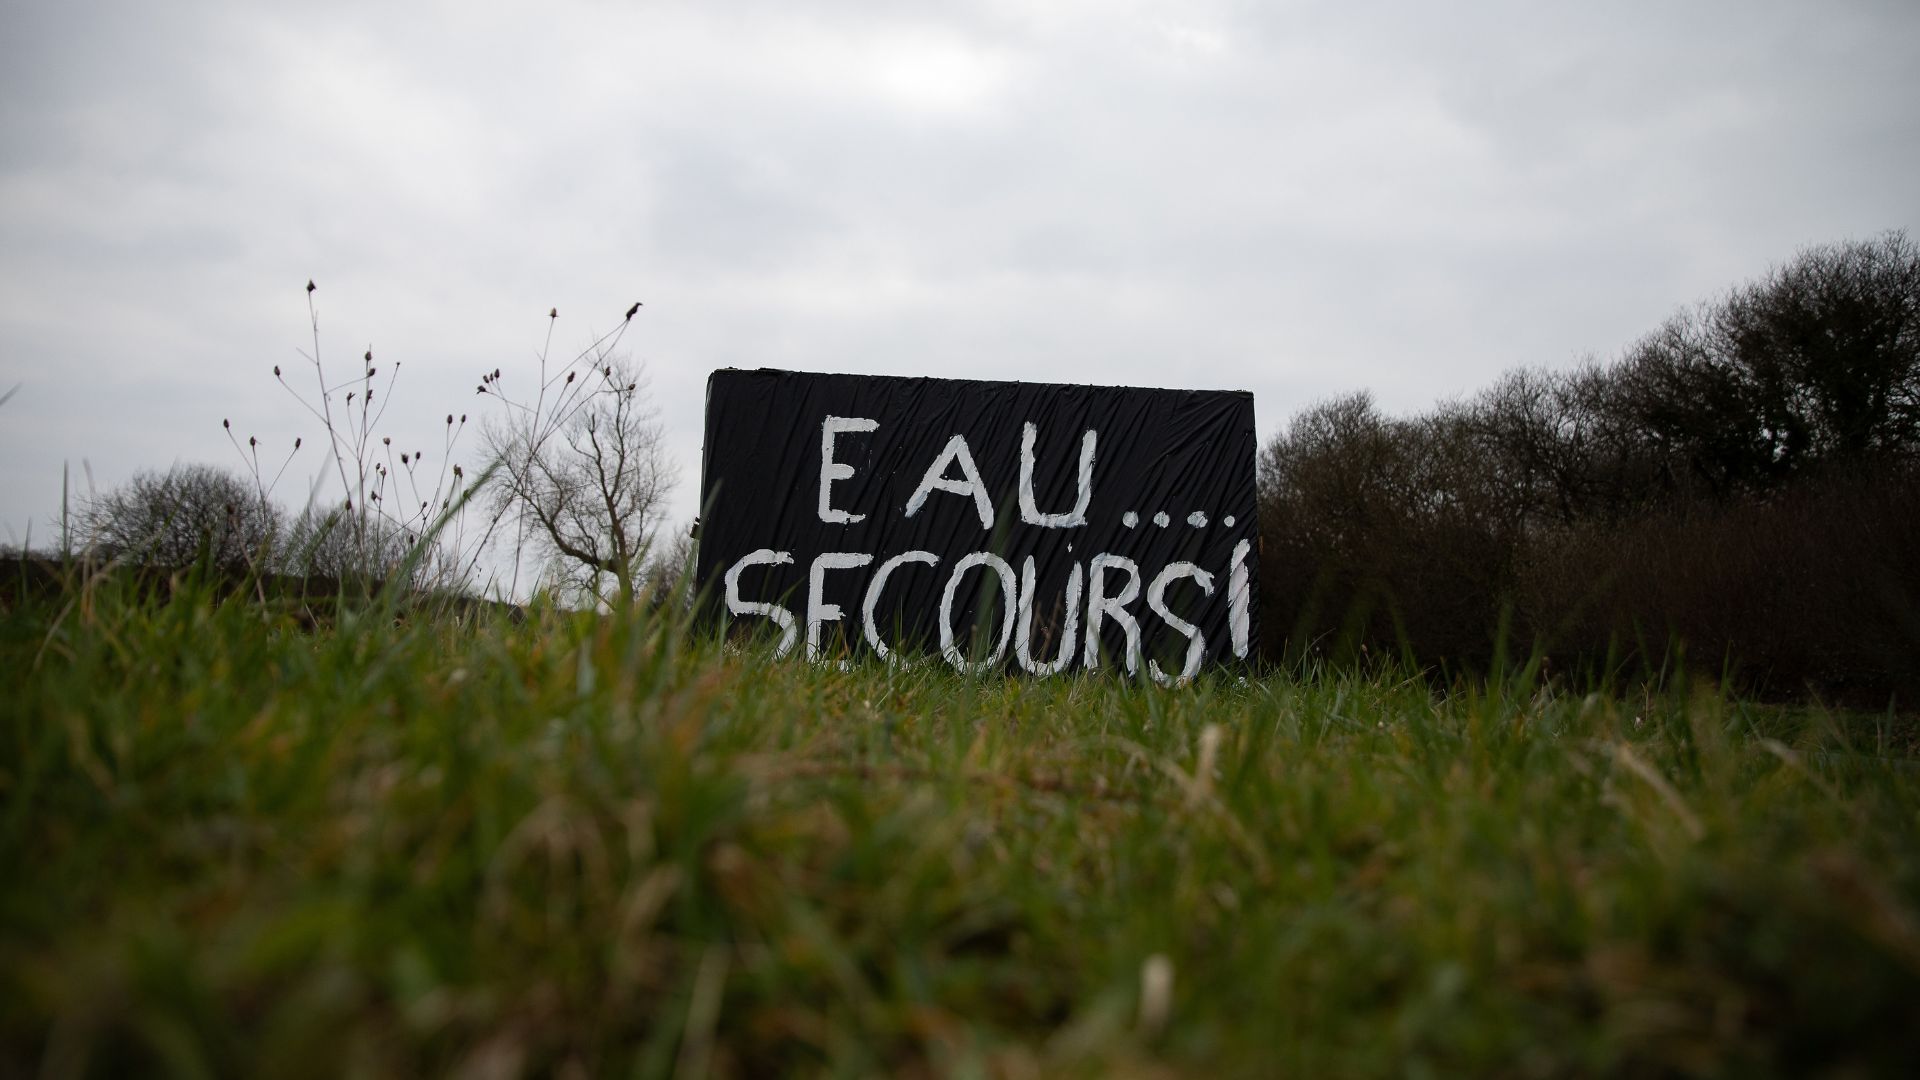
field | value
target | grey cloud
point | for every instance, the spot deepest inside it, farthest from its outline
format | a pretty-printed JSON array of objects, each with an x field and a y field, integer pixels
[{"x": 1298, "y": 199}]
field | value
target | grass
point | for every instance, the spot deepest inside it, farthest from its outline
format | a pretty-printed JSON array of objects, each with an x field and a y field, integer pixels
[{"x": 237, "y": 845}]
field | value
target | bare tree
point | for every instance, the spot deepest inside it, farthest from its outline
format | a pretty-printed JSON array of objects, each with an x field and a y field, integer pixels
[
  {"x": 1828, "y": 350},
  {"x": 175, "y": 518},
  {"x": 589, "y": 474}
]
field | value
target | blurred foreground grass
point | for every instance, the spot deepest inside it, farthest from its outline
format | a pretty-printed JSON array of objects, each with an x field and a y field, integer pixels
[{"x": 231, "y": 845}]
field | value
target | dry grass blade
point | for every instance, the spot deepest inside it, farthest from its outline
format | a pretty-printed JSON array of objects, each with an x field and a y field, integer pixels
[
  {"x": 703, "y": 1015},
  {"x": 1635, "y": 764}
]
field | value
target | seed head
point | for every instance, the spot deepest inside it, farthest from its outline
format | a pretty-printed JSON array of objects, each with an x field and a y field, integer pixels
[
  {"x": 632, "y": 311},
  {"x": 276, "y": 371},
  {"x": 369, "y": 355},
  {"x": 228, "y": 424},
  {"x": 387, "y": 441},
  {"x": 570, "y": 375},
  {"x": 251, "y": 441},
  {"x": 296, "y": 443},
  {"x": 309, "y": 284},
  {"x": 449, "y": 419},
  {"x": 554, "y": 314},
  {"x": 463, "y": 418}
]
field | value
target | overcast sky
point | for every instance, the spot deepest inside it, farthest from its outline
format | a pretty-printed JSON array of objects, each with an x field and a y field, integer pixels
[{"x": 1298, "y": 199}]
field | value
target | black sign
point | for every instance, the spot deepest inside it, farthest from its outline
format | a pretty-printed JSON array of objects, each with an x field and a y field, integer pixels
[{"x": 1021, "y": 526}]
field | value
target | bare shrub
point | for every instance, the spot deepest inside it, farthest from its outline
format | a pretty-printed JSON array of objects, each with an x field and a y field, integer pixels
[
  {"x": 321, "y": 544},
  {"x": 179, "y": 517},
  {"x": 1813, "y": 586}
]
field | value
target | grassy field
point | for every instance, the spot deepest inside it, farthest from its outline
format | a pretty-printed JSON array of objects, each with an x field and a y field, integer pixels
[{"x": 236, "y": 846}]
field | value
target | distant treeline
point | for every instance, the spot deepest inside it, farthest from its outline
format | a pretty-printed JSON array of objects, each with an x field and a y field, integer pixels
[
  {"x": 309, "y": 599},
  {"x": 1743, "y": 483}
]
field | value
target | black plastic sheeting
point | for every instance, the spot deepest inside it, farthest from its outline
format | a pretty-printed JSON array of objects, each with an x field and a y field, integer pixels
[{"x": 986, "y": 524}]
